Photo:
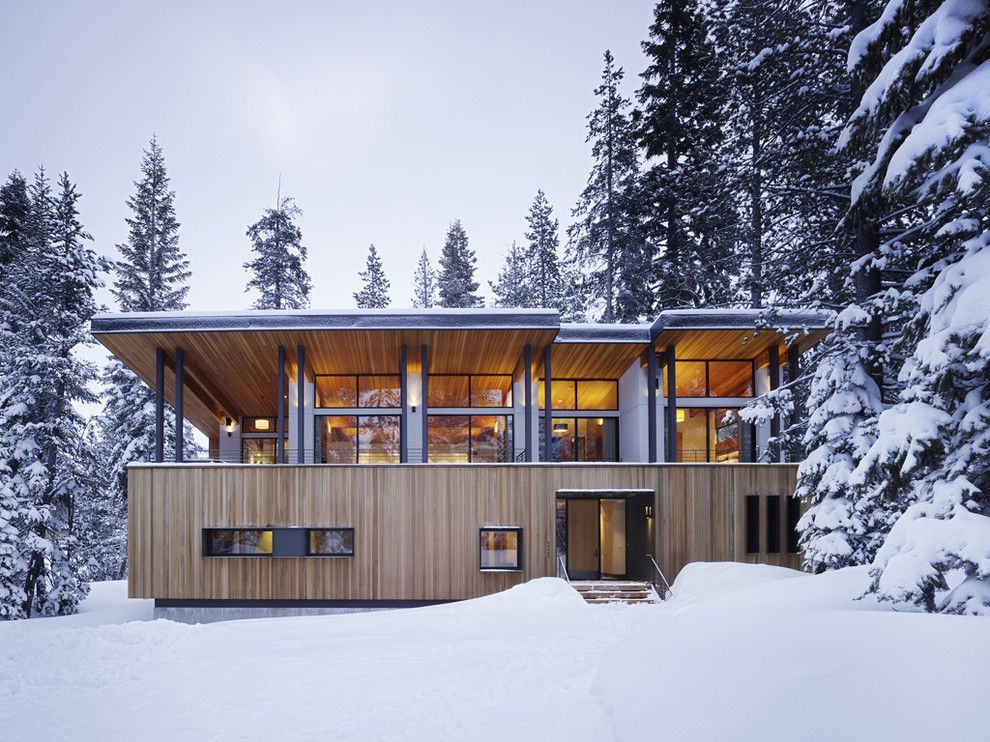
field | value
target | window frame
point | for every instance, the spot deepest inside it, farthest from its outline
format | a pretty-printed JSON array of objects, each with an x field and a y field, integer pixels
[
  {"x": 708, "y": 377},
  {"x": 509, "y": 424},
  {"x": 470, "y": 393},
  {"x": 311, "y": 553},
  {"x": 317, "y": 449},
  {"x": 541, "y": 384},
  {"x": 589, "y": 415},
  {"x": 519, "y": 548},
  {"x": 711, "y": 425},
  {"x": 207, "y": 542},
  {"x": 357, "y": 391}
]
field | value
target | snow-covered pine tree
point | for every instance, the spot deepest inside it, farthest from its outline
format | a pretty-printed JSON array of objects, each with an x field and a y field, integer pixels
[
  {"x": 45, "y": 309},
  {"x": 15, "y": 205},
  {"x": 512, "y": 289},
  {"x": 679, "y": 124},
  {"x": 541, "y": 253},
  {"x": 607, "y": 237},
  {"x": 457, "y": 264},
  {"x": 424, "y": 283},
  {"x": 150, "y": 277},
  {"x": 374, "y": 292},
  {"x": 277, "y": 270},
  {"x": 930, "y": 103}
]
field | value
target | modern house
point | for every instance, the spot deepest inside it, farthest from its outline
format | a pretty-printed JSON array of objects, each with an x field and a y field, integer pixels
[{"x": 373, "y": 458}]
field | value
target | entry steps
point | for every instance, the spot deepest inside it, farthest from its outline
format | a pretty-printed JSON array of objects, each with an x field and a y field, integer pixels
[{"x": 599, "y": 592}]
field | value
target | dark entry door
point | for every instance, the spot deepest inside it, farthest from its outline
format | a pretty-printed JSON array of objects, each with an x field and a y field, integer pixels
[{"x": 582, "y": 539}]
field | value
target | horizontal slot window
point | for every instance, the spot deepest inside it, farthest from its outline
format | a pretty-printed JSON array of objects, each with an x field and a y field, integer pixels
[
  {"x": 237, "y": 542},
  {"x": 337, "y": 542},
  {"x": 366, "y": 391},
  {"x": 469, "y": 390},
  {"x": 501, "y": 549}
]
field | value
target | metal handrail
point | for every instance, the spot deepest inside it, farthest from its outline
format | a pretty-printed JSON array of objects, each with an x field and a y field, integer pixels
[
  {"x": 667, "y": 591},
  {"x": 561, "y": 568}
]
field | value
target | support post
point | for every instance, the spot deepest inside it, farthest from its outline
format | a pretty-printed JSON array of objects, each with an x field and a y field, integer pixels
[
  {"x": 547, "y": 403},
  {"x": 403, "y": 405},
  {"x": 424, "y": 361},
  {"x": 300, "y": 404},
  {"x": 159, "y": 405},
  {"x": 280, "y": 417},
  {"x": 773, "y": 366},
  {"x": 651, "y": 403},
  {"x": 793, "y": 372},
  {"x": 180, "y": 382},
  {"x": 671, "y": 425},
  {"x": 528, "y": 399}
]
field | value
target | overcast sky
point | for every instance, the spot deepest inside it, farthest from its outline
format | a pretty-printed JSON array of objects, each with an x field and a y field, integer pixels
[{"x": 385, "y": 120}]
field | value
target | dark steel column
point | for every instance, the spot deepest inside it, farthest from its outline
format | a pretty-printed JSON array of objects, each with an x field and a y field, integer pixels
[
  {"x": 547, "y": 404},
  {"x": 651, "y": 403},
  {"x": 180, "y": 381},
  {"x": 793, "y": 372},
  {"x": 773, "y": 366},
  {"x": 159, "y": 404},
  {"x": 300, "y": 404},
  {"x": 403, "y": 405},
  {"x": 424, "y": 361},
  {"x": 280, "y": 417},
  {"x": 671, "y": 404},
  {"x": 528, "y": 399}
]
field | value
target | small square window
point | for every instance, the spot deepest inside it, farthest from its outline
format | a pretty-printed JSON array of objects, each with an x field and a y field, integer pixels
[
  {"x": 501, "y": 548},
  {"x": 337, "y": 542}
]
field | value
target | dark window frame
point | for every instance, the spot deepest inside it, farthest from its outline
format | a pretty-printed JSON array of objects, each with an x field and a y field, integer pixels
[
  {"x": 357, "y": 428},
  {"x": 592, "y": 414},
  {"x": 708, "y": 376},
  {"x": 357, "y": 391},
  {"x": 509, "y": 424},
  {"x": 207, "y": 543},
  {"x": 709, "y": 418},
  {"x": 311, "y": 553},
  {"x": 470, "y": 395},
  {"x": 541, "y": 381},
  {"x": 519, "y": 548}
]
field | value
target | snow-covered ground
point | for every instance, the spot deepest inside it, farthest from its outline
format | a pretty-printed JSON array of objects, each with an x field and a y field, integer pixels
[{"x": 743, "y": 652}]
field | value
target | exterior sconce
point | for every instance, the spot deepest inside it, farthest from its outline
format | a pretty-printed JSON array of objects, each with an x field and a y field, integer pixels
[
  {"x": 228, "y": 425},
  {"x": 649, "y": 512},
  {"x": 414, "y": 408}
]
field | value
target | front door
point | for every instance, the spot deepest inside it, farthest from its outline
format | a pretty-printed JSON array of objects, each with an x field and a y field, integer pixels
[
  {"x": 613, "y": 539},
  {"x": 582, "y": 539}
]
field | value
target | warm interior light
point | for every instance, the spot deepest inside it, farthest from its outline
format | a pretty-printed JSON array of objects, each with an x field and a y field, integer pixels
[
  {"x": 681, "y": 416},
  {"x": 559, "y": 428},
  {"x": 261, "y": 424},
  {"x": 600, "y": 421}
]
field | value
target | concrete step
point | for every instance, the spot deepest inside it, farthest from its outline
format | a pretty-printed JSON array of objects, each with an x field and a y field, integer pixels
[{"x": 605, "y": 591}]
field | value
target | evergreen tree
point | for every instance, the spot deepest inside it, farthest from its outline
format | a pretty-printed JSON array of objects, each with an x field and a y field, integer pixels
[
  {"x": 424, "y": 283},
  {"x": 15, "y": 205},
  {"x": 277, "y": 270},
  {"x": 150, "y": 277},
  {"x": 457, "y": 264},
  {"x": 542, "y": 252},
  {"x": 680, "y": 130},
  {"x": 512, "y": 289},
  {"x": 374, "y": 292},
  {"x": 608, "y": 237},
  {"x": 45, "y": 310},
  {"x": 924, "y": 120}
]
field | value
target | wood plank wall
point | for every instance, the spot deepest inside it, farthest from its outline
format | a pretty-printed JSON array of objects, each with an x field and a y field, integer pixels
[{"x": 416, "y": 526}]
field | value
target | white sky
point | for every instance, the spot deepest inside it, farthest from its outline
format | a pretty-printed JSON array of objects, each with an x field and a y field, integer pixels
[{"x": 385, "y": 120}]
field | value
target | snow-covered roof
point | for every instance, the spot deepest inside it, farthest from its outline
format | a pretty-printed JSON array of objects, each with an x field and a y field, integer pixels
[
  {"x": 590, "y": 332},
  {"x": 740, "y": 319}
]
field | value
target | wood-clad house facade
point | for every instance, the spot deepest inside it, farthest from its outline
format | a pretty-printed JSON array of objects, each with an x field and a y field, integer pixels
[{"x": 371, "y": 458}]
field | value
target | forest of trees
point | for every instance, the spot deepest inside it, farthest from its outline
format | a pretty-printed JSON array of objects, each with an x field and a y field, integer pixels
[{"x": 772, "y": 154}]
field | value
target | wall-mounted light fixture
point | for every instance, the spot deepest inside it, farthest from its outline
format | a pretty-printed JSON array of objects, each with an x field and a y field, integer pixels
[
  {"x": 228, "y": 425},
  {"x": 649, "y": 511},
  {"x": 681, "y": 416},
  {"x": 414, "y": 408}
]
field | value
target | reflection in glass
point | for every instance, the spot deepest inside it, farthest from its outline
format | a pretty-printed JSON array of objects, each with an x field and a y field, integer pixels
[
  {"x": 378, "y": 439},
  {"x": 726, "y": 437},
  {"x": 597, "y": 439},
  {"x": 691, "y": 379},
  {"x": 448, "y": 391},
  {"x": 500, "y": 548},
  {"x": 258, "y": 450},
  {"x": 379, "y": 391},
  {"x": 692, "y": 434},
  {"x": 730, "y": 378},
  {"x": 237, "y": 542},
  {"x": 448, "y": 439},
  {"x": 331, "y": 541},
  {"x": 336, "y": 391},
  {"x": 491, "y": 391},
  {"x": 491, "y": 438},
  {"x": 336, "y": 439},
  {"x": 713, "y": 435}
]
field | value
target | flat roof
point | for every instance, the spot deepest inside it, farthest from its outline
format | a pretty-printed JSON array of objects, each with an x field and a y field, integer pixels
[
  {"x": 590, "y": 332},
  {"x": 740, "y": 319}
]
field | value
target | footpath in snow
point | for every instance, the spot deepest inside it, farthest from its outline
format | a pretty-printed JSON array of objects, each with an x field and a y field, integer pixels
[{"x": 743, "y": 652}]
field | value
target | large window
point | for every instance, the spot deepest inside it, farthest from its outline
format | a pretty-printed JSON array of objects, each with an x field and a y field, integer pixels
[
  {"x": 259, "y": 450},
  {"x": 713, "y": 379},
  {"x": 457, "y": 439},
  {"x": 583, "y": 439},
  {"x": 358, "y": 391},
  {"x": 580, "y": 394},
  {"x": 237, "y": 542},
  {"x": 501, "y": 549},
  {"x": 364, "y": 439},
  {"x": 708, "y": 434},
  {"x": 469, "y": 390}
]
